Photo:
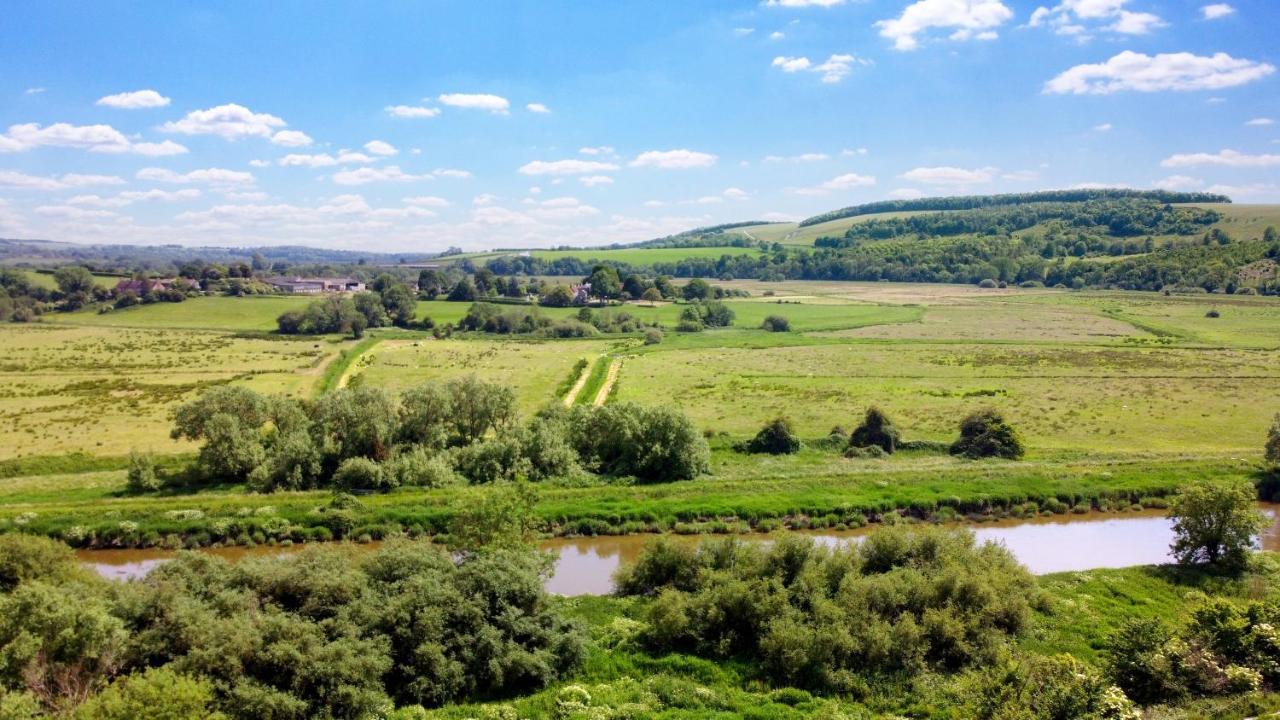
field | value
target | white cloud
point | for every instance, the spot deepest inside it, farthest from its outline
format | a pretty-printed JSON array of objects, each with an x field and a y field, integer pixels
[
  {"x": 260, "y": 163},
  {"x": 791, "y": 64},
  {"x": 426, "y": 201},
  {"x": 971, "y": 19},
  {"x": 1136, "y": 23},
  {"x": 905, "y": 194},
  {"x": 23, "y": 181},
  {"x": 803, "y": 3},
  {"x": 1177, "y": 182},
  {"x": 566, "y": 167},
  {"x": 366, "y": 175},
  {"x": 69, "y": 212},
  {"x": 134, "y": 100},
  {"x": 1167, "y": 71},
  {"x": 291, "y": 138},
  {"x": 378, "y": 147},
  {"x": 851, "y": 152},
  {"x": 1260, "y": 122},
  {"x": 1223, "y": 158},
  {"x": 734, "y": 193},
  {"x": 1077, "y": 18},
  {"x": 345, "y": 157},
  {"x": 707, "y": 200},
  {"x": 1216, "y": 11},
  {"x": 777, "y": 35},
  {"x": 801, "y": 158},
  {"x": 562, "y": 208},
  {"x": 94, "y": 138},
  {"x": 411, "y": 111},
  {"x": 212, "y": 176},
  {"x": 451, "y": 173},
  {"x": 230, "y": 121},
  {"x": 848, "y": 181},
  {"x": 594, "y": 180},
  {"x": 134, "y": 196},
  {"x": 674, "y": 159},
  {"x": 743, "y": 31},
  {"x": 949, "y": 175},
  {"x": 601, "y": 150},
  {"x": 34, "y": 90},
  {"x": 537, "y": 108},
  {"x": 1104, "y": 127},
  {"x": 476, "y": 101},
  {"x": 837, "y": 67},
  {"x": 654, "y": 203}
]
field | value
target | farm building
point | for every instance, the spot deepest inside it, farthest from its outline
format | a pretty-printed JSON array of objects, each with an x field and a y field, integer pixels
[
  {"x": 314, "y": 286},
  {"x": 148, "y": 285}
]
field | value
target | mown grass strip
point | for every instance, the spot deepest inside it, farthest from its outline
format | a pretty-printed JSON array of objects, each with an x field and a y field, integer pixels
[
  {"x": 339, "y": 365},
  {"x": 599, "y": 372}
]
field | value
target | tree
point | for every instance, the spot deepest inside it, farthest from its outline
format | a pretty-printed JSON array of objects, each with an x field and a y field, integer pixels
[
  {"x": 698, "y": 289},
  {"x": 1215, "y": 522},
  {"x": 430, "y": 283},
  {"x": 478, "y": 407},
  {"x": 463, "y": 291},
  {"x": 775, "y": 438},
  {"x": 142, "y": 473},
  {"x": 876, "y": 430},
  {"x": 985, "y": 433},
  {"x": 354, "y": 422},
  {"x": 556, "y": 296},
  {"x": 605, "y": 282},
  {"x": 1272, "y": 450},
  {"x": 369, "y": 304},
  {"x": 651, "y": 295},
  {"x": 76, "y": 285},
  {"x": 400, "y": 304}
]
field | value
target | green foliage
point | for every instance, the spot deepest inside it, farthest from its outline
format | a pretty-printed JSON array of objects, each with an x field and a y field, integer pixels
[
  {"x": 354, "y": 422},
  {"x": 157, "y": 694},
  {"x": 776, "y": 323},
  {"x": 901, "y": 602},
  {"x": 777, "y": 437},
  {"x": 359, "y": 473},
  {"x": 556, "y": 296},
  {"x": 331, "y": 314},
  {"x": 26, "y": 558},
  {"x": 1043, "y": 688},
  {"x": 1271, "y": 452},
  {"x": 984, "y": 433},
  {"x": 502, "y": 517},
  {"x": 876, "y": 430},
  {"x": 420, "y": 467},
  {"x": 654, "y": 444},
  {"x": 1215, "y": 522},
  {"x": 141, "y": 476}
]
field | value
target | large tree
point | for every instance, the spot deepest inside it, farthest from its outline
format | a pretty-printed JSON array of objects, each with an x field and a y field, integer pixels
[{"x": 1215, "y": 522}]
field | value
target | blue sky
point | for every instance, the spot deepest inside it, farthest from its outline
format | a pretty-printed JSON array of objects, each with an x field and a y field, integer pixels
[{"x": 417, "y": 126}]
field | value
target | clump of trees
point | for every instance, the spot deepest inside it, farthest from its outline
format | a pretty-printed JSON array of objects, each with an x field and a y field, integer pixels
[
  {"x": 524, "y": 320},
  {"x": 984, "y": 433},
  {"x": 775, "y": 438},
  {"x": 703, "y": 314},
  {"x": 876, "y": 430},
  {"x": 903, "y": 601},
  {"x": 1215, "y": 522},
  {"x": 363, "y": 438},
  {"x": 329, "y": 633},
  {"x": 388, "y": 302},
  {"x": 776, "y": 323}
]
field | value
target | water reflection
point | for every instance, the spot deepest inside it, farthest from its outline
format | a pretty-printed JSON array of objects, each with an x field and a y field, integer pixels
[{"x": 586, "y": 565}]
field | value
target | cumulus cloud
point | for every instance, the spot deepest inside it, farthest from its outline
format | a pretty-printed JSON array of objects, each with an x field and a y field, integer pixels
[
  {"x": 230, "y": 121},
  {"x": 1216, "y": 11},
  {"x": 734, "y": 193},
  {"x": 950, "y": 175},
  {"x": 1182, "y": 71},
  {"x": 411, "y": 111},
  {"x": 594, "y": 180},
  {"x": 451, "y": 173},
  {"x": 674, "y": 159},
  {"x": 426, "y": 201},
  {"x": 1222, "y": 158},
  {"x": 834, "y": 69},
  {"x": 134, "y": 196},
  {"x": 476, "y": 101},
  {"x": 971, "y": 19},
  {"x": 1177, "y": 182},
  {"x": 135, "y": 100},
  {"x": 1260, "y": 122},
  {"x": 23, "y": 181},
  {"x": 210, "y": 176},
  {"x": 94, "y": 138},
  {"x": 1104, "y": 127},
  {"x": 743, "y": 31},
  {"x": 380, "y": 148},
  {"x": 905, "y": 194},
  {"x": 801, "y": 158},
  {"x": 291, "y": 138},
  {"x": 345, "y": 157},
  {"x": 803, "y": 3},
  {"x": 777, "y": 35},
  {"x": 537, "y": 108},
  {"x": 366, "y": 175},
  {"x": 566, "y": 167},
  {"x": 562, "y": 208},
  {"x": 601, "y": 150},
  {"x": 848, "y": 181},
  {"x": 1079, "y": 17}
]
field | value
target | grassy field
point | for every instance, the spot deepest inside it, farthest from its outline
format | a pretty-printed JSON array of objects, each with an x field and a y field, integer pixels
[
  {"x": 251, "y": 313},
  {"x": 45, "y": 279}
]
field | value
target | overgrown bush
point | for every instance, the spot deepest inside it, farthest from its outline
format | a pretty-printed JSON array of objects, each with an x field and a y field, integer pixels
[
  {"x": 775, "y": 438},
  {"x": 1271, "y": 451},
  {"x": 903, "y": 601},
  {"x": 1215, "y": 522},
  {"x": 984, "y": 434},
  {"x": 142, "y": 476},
  {"x": 876, "y": 430},
  {"x": 654, "y": 444},
  {"x": 776, "y": 323}
]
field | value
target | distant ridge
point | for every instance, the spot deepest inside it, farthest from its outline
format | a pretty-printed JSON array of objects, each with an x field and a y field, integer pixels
[{"x": 970, "y": 202}]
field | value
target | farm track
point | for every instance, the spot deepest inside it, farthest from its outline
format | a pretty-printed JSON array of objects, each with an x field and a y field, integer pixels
[
  {"x": 583, "y": 376},
  {"x": 614, "y": 368}
]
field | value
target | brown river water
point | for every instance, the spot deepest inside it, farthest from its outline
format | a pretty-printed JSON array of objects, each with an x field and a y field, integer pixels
[{"x": 585, "y": 565}]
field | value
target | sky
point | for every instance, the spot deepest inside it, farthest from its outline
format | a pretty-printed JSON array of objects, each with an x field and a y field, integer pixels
[{"x": 416, "y": 126}]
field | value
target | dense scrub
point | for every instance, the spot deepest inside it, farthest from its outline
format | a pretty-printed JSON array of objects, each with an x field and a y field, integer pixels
[
  {"x": 329, "y": 633},
  {"x": 903, "y": 601}
]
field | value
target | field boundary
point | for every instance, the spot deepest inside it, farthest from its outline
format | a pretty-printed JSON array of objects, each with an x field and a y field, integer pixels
[
  {"x": 578, "y": 384},
  {"x": 335, "y": 375},
  {"x": 611, "y": 377}
]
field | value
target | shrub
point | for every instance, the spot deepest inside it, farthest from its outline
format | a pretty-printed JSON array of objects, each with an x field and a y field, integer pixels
[
  {"x": 419, "y": 467},
  {"x": 142, "y": 476},
  {"x": 775, "y": 438},
  {"x": 985, "y": 433},
  {"x": 870, "y": 452},
  {"x": 876, "y": 430},
  {"x": 776, "y": 323},
  {"x": 1271, "y": 452},
  {"x": 655, "y": 444},
  {"x": 360, "y": 473},
  {"x": 491, "y": 460},
  {"x": 158, "y": 693},
  {"x": 989, "y": 284},
  {"x": 1215, "y": 522},
  {"x": 1213, "y": 314},
  {"x": 652, "y": 336}
]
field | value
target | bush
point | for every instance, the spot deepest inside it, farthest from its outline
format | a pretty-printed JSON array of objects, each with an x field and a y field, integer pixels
[
  {"x": 419, "y": 467},
  {"x": 984, "y": 434},
  {"x": 775, "y": 438},
  {"x": 360, "y": 473},
  {"x": 1271, "y": 451},
  {"x": 157, "y": 694},
  {"x": 1215, "y": 522},
  {"x": 493, "y": 460},
  {"x": 876, "y": 430},
  {"x": 654, "y": 444},
  {"x": 988, "y": 284},
  {"x": 652, "y": 336},
  {"x": 142, "y": 476},
  {"x": 870, "y": 452},
  {"x": 776, "y": 323},
  {"x": 1213, "y": 314}
]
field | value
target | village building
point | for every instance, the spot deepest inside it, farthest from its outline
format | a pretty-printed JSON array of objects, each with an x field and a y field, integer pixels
[
  {"x": 150, "y": 285},
  {"x": 314, "y": 285}
]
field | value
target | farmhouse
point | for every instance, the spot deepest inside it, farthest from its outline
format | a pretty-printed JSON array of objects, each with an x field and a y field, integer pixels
[
  {"x": 149, "y": 285},
  {"x": 314, "y": 286}
]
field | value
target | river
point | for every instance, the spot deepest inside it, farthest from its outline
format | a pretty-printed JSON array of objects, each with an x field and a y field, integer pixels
[{"x": 585, "y": 565}]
